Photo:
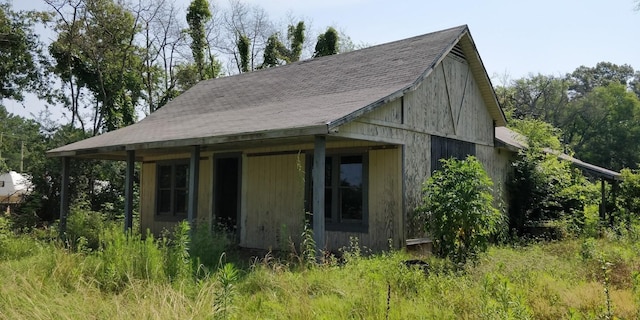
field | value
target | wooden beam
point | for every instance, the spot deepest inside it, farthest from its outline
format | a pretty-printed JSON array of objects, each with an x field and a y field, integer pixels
[
  {"x": 194, "y": 173},
  {"x": 64, "y": 197},
  {"x": 318, "y": 192},
  {"x": 603, "y": 209},
  {"x": 128, "y": 191}
]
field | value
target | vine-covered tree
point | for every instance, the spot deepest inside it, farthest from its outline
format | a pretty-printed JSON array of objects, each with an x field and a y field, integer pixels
[
  {"x": 327, "y": 43},
  {"x": 243, "y": 44},
  {"x": 198, "y": 15}
]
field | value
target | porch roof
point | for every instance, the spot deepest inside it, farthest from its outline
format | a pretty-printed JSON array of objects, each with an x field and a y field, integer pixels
[
  {"x": 511, "y": 140},
  {"x": 305, "y": 98}
]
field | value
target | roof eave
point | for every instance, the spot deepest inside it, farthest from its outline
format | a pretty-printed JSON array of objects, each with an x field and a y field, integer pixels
[
  {"x": 321, "y": 129},
  {"x": 484, "y": 82}
]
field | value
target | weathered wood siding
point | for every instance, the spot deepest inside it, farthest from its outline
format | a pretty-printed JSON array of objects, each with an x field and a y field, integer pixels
[
  {"x": 448, "y": 103},
  {"x": 497, "y": 163},
  {"x": 275, "y": 201},
  {"x": 148, "y": 193},
  {"x": 273, "y": 212},
  {"x": 385, "y": 204}
]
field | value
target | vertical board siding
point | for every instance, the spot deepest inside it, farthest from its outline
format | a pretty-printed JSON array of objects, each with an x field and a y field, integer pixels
[
  {"x": 391, "y": 113},
  {"x": 275, "y": 201},
  {"x": 385, "y": 205},
  {"x": 497, "y": 163},
  {"x": 448, "y": 103}
]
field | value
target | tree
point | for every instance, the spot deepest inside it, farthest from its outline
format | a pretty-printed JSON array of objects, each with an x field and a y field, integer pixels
[
  {"x": 197, "y": 16},
  {"x": 22, "y": 63},
  {"x": 296, "y": 37},
  {"x": 327, "y": 43},
  {"x": 272, "y": 52},
  {"x": 585, "y": 79},
  {"x": 18, "y": 139},
  {"x": 251, "y": 22},
  {"x": 163, "y": 39},
  {"x": 243, "y": 51},
  {"x": 538, "y": 97},
  {"x": 606, "y": 131},
  {"x": 96, "y": 49}
]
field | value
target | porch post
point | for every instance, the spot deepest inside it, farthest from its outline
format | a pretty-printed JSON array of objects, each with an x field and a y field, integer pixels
[
  {"x": 64, "y": 197},
  {"x": 318, "y": 192},
  {"x": 128, "y": 191},
  {"x": 194, "y": 173},
  {"x": 603, "y": 210}
]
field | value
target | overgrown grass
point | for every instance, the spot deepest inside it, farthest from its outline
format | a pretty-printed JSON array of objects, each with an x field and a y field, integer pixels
[{"x": 129, "y": 276}]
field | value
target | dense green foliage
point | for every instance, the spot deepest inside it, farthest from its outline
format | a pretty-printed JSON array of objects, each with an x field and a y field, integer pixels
[
  {"x": 597, "y": 110},
  {"x": 243, "y": 44},
  {"x": 197, "y": 16},
  {"x": 543, "y": 188},
  {"x": 458, "y": 205},
  {"x": 628, "y": 198},
  {"x": 327, "y": 43},
  {"x": 22, "y": 59}
]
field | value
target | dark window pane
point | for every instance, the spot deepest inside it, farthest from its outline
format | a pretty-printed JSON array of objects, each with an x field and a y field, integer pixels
[
  {"x": 351, "y": 203},
  {"x": 182, "y": 175},
  {"x": 327, "y": 203},
  {"x": 164, "y": 201},
  {"x": 164, "y": 177},
  {"x": 351, "y": 188},
  {"x": 181, "y": 201},
  {"x": 351, "y": 171}
]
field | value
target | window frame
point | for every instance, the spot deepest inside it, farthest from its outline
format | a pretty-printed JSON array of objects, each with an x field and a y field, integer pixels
[
  {"x": 172, "y": 214},
  {"x": 336, "y": 222}
]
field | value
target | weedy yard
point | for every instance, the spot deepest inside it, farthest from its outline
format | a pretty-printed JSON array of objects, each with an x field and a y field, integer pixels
[{"x": 113, "y": 276}]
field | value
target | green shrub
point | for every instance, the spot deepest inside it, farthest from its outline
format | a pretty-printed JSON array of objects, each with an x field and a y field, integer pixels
[
  {"x": 458, "y": 209},
  {"x": 628, "y": 200},
  {"x": 206, "y": 247},
  {"x": 85, "y": 226},
  {"x": 544, "y": 188}
]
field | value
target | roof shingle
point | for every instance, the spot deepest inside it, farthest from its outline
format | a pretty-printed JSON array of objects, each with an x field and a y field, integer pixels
[{"x": 304, "y": 94}]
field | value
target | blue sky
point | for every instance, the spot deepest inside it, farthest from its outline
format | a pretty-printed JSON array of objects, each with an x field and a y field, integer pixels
[{"x": 514, "y": 38}]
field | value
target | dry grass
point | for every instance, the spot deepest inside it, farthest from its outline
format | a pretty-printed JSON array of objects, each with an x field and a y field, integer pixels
[{"x": 539, "y": 281}]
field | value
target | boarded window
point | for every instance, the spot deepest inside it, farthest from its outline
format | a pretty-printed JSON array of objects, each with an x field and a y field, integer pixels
[
  {"x": 445, "y": 148},
  {"x": 172, "y": 189}
]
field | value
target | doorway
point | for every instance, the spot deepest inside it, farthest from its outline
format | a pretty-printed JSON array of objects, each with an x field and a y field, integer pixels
[{"x": 227, "y": 193}]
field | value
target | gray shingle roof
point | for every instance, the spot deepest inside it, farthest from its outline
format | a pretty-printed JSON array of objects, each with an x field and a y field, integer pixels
[{"x": 314, "y": 93}]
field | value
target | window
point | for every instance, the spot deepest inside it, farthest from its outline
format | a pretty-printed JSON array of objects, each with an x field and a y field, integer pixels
[
  {"x": 1, "y": 184},
  {"x": 172, "y": 189},
  {"x": 345, "y": 192},
  {"x": 445, "y": 148}
]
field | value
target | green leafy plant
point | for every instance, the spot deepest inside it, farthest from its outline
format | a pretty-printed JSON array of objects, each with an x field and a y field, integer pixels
[
  {"x": 458, "y": 209},
  {"x": 227, "y": 276}
]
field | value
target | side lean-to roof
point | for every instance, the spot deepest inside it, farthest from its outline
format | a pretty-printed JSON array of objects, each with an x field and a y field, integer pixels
[
  {"x": 309, "y": 97},
  {"x": 511, "y": 140}
]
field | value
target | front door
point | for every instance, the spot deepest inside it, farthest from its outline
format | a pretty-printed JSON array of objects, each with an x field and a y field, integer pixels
[{"x": 227, "y": 193}]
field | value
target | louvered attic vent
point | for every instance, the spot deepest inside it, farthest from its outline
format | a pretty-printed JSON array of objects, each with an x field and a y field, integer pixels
[{"x": 457, "y": 52}]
